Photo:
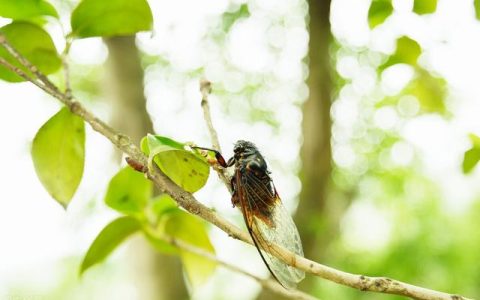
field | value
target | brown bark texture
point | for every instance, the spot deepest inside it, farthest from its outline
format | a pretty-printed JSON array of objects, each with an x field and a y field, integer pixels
[{"x": 156, "y": 276}]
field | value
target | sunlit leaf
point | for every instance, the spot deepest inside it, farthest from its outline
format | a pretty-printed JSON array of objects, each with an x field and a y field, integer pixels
[
  {"x": 192, "y": 230},
  {"x": 26, "y": 9},
  {"x": 407, "y": 51},
  {"x": 111, "y": 18},
  {"x": 187, "y": 169},
  {"x": 476, "y": 4},
  {"x": 32, "y": 42},
  {"x": 229, "y": 18},
  {"x": 58, "y": 153},
  {"x": 378, "y": 12},
  {"x": 128, "y": 191},
  {"x": 108, "y": 239}
]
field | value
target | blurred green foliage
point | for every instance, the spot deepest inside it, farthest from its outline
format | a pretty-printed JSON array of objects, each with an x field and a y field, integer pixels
[
  {"x": 476, "y": 4},
  {"x": 379, "y": 11},
  {"x": 472, "y": 156},
  {"x": 424, "y": 6}
]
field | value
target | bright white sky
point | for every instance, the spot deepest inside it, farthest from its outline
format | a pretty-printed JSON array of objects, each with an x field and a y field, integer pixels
[{"x": 37, "y": 235}]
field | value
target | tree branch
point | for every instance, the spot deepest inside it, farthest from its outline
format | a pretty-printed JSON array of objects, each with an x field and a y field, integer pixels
[
  {"x": 66, "y": 68},
  {"x": 269, "y": 284},
  {"x": 188, "y": 202},
  {"x": 206, "y": 89}
]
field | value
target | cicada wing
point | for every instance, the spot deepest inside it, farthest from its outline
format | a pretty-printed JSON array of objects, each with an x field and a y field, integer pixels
[
  {"x": 284, "y": 234},
  {"x": 274, "y": 227}
]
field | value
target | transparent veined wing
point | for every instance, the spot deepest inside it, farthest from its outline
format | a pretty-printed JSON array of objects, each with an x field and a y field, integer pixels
[{"x": 268, "y": 223}]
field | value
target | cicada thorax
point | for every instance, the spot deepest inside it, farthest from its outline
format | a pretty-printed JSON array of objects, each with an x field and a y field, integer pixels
[{"x": 256, "y": 184}]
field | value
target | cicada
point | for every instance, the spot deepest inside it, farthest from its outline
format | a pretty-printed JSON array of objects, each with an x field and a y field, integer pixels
[{"x": 267, "y": 220}]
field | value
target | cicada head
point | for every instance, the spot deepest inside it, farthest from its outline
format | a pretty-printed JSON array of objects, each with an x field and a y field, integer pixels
[{"x": 242, "y": 146}]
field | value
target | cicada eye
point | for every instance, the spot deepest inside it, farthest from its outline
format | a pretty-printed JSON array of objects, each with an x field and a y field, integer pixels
[{"x": 238, "y": 149}]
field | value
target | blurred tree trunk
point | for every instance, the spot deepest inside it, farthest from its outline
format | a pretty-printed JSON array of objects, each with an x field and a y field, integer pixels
[
  {"x": 312, "y": 217},
  {"x": 316, "y": 151},
  {"x": 156, "y": 276}
]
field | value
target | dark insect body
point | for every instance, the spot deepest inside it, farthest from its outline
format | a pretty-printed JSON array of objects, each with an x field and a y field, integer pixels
[{"x": 267, "y": 220}]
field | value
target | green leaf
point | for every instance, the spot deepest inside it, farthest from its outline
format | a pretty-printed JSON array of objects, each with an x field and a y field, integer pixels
[
  {"x": 32, "y": 42},
  {"x": 472, "y": 156},
  {"x": 159, "y": 244},
  {"x": 111, "y": 18},
  {"x": 476, "y": 4},
  {"x": 58, "y": 153},
  {"x": 475, "y": 140},
  {"x": 169, "y": 221},
  {"x": 187, "y": 169},
  {"x": 190, "y": 229},
  {"x": 229, "y": 18},
  {"x": 157, "y": 210},
  {"x": 422, "y": 7},
  {"x": 429, "y": 90},
  {"x": 161, "y": 205},
  {"x": 128, "y": 191},
  {"x": 26, "y": 9},
  {"x": 470, "y": 160},
  {"x": 407, "y": 52},
  {"x": 108, "y": 239},
  {"x": 378, "y": 12}
]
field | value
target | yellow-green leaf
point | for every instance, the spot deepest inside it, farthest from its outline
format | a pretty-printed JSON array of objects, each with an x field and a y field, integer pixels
[
  {"x": 475, "y": 139},
  {"x": 476, "y": 4},
  {"x": 58, "y": 153},
  {"x": 190, "y": 229},
  {"x": 378, "y": 12},
  {"x": 26, "y": 9},
  {"x": 32, "y": 42},
  {"x": 472, "y": 156},
  {"x": 128, "y": 191},
  {"x": 157, "y": 210},
  {"x": 108, "y": 239},
  {"x": 111, "y": 18},
  {"x": 187, "y": 169},
  {"x": 407, "y": 51},
  {"x": 470, "y": 160},
  {"x": 429, "y": 90},
  {"x": 422, "y": 7}
]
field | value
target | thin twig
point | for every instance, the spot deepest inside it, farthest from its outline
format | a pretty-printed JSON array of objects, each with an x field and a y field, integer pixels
[
  {"x": 269, "y": 284},
  {"x": 188, "y": 202},
  {"x": 10, "y": 49},
  {"x": 20, "y": 73},
  {"x": 66, "y": 67},
  {"x": 206, "y": 89}
]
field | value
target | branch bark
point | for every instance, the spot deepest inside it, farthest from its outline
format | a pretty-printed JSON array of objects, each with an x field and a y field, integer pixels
[
  {"x": 188, "y": 202},
  {"x": 269, "y": 284}
]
